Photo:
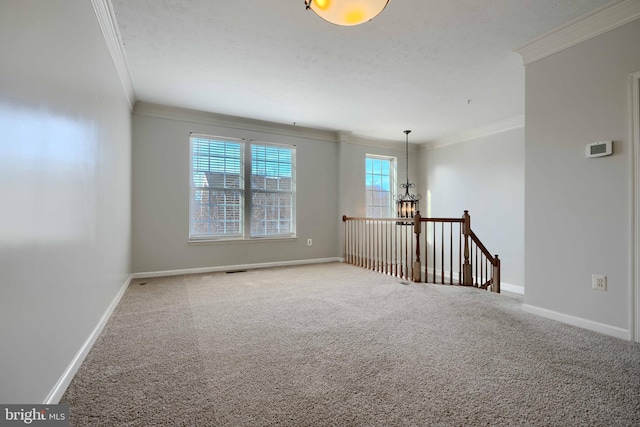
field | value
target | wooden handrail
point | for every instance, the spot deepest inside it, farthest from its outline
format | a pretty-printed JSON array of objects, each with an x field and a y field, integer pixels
[
  {"x": 357, "y": 218},
  {"x": 442, "y": 220},
  {"x": 484, "y": 250},
  {"x": 394, "y": 246}
]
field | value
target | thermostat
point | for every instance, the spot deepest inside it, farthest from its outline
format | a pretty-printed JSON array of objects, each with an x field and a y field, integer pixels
[{"x": 600, "y": 149}]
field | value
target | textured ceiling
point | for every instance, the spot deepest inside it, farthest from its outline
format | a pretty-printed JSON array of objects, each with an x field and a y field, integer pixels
[{"x": 438, "y": 67}]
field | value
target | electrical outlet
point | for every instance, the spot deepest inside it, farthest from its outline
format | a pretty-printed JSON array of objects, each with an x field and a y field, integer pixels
[
  {"x": 599, "y": 282},
  {"x": 309, "y": 242}
]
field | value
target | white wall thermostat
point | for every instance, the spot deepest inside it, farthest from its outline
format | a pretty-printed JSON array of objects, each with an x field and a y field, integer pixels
[{"x": 600, "y": 149}]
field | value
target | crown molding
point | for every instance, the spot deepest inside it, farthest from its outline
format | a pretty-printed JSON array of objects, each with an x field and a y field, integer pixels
[
  {"x": 232, "y": 122},
  {"x": 601, "y": 20},
  {"x": 372, "y": 142},
  {"x": 149, "y": 109},
  {"x": 479, "y": 132},
  {"x": 107, "y": 20}
]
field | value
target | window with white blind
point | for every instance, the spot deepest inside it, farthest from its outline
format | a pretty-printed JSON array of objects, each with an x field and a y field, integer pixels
[
  {"x": 272, "y": 190},
  {"x": 220, "y": 208},
  {"x": 217, "y": 188},
  {"x": 380, "y": 174}
]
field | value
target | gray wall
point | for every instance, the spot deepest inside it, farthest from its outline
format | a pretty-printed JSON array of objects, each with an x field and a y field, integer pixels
[
  {"x": 161, "y": 192},
  {"x": 486, "y": 177},
  {"x": 353, "y": 152},
  {"x": 330, "y": 183},
  {"x": 65, "y": 190},
  {"x": 578, "y": 209}
]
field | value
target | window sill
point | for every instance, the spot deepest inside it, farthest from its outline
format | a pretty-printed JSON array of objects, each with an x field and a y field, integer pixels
[{"x": 199, "y": 242}]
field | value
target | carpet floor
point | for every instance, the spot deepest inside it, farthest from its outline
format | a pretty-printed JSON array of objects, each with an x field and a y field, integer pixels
[{"x": 336, "y": 345}]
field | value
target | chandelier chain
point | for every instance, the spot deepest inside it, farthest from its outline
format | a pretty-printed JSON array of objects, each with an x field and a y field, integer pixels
[{"x": 407, "y": 155}]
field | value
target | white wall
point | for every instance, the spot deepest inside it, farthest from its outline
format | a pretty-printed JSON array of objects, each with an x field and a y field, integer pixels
[
  {"x": 486, "y": 177},
  {"x": 577, "y": 210},
  {"x": 161, "y": 192},
  {"x": 64, "y": 186}
]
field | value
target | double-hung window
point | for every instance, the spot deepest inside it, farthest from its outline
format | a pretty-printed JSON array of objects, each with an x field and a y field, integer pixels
[
  {"x": 273, "y": 190},
  {"x": 217, "y": 188},
  {"x": 380, "y": 174},
  {"x": 237, "y": 186}
]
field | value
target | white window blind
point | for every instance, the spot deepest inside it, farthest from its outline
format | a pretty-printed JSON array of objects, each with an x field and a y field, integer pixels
[
  {"x": 217, "y": 188},
  {"x": 220, "y": 208},
  {"x": 273, "y": 190}
]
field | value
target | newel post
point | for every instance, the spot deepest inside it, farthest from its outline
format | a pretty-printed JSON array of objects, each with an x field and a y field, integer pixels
[
  {"x": 417, "y": 229},
  {"x": 495, "y": 286},
  {"x": 345, "y": 238},
  {"x": 467, "y": 279}
]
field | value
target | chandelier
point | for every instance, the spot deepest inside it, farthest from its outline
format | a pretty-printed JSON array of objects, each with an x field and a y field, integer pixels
[
  {"x": 408, "y": 204},
  {"x": 346, "y": 12}
]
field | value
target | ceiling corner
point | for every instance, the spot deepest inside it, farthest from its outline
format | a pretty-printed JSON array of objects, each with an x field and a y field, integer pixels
[{"x": 606, "y": 18}]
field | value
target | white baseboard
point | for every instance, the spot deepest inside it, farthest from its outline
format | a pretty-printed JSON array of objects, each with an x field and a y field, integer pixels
[
  {"x": 577, "y": 321},
  {"x": 61, "y": 386},
  {"x": 504, "y": 286},
  {"x": 150, "y": 274},
  {"x": 511, "y": 288}
]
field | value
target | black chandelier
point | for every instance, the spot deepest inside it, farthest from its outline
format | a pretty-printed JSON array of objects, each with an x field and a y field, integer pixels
[{"x": 407, "y": 204}]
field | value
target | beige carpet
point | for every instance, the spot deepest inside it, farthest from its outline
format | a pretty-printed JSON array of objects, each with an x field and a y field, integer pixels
[{"x": 336, "y": 345}]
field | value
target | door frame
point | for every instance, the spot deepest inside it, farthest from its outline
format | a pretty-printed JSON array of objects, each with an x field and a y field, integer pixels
[{"x": 634, "y": 122}]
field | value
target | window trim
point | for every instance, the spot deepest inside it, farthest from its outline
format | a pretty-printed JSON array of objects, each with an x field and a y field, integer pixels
[
  {"x": 247, "y": 194},
  {"x": 392, "y": 184},
  {"x": 249, "y": 191}
]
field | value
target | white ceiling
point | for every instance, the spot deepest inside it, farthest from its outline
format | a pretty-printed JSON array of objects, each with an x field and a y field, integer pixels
[{"x": 438, "y": 67}]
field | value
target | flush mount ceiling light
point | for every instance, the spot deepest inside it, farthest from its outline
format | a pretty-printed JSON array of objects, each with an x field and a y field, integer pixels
[{"x": 347, "y": 12}]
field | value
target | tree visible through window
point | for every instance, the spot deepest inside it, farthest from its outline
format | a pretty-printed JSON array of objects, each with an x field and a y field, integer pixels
[
  {"x": 220, "y": 207},
  {"x": 379, "y": 178}
]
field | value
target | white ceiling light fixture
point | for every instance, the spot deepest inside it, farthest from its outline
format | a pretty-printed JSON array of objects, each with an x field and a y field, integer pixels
[{"x": 347, "y": 12}]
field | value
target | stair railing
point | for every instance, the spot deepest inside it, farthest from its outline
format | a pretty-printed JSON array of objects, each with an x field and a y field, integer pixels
[
  {"x": 384, "y": 245},
  {"x": 453, "y": 253}
]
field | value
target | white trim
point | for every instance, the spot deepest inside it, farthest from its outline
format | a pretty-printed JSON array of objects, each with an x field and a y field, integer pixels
[
  {"x": 107, "y": 20},
  {"x": 577, "y": 321},
  {"x": 447, "y": 276},
  {"x": 166, "y": 273},
  {"x": 231, "y": 122},
  {"x": 505, "y": 287},
  {"x": 510, "y": 288},
  {"x": 634, "y": 122},
  {"x": 227, "y": 241},
  {"x": 148, "y": 109},
  {"x": 488, "y": 130},
  {"x": 61, "y": 386},
  {"x": 606, "y": 18},
  {"x": 387, "y": 144}
]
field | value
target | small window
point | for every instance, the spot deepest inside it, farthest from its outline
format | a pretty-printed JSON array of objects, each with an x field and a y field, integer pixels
[{"x": 380, "y": 180}]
